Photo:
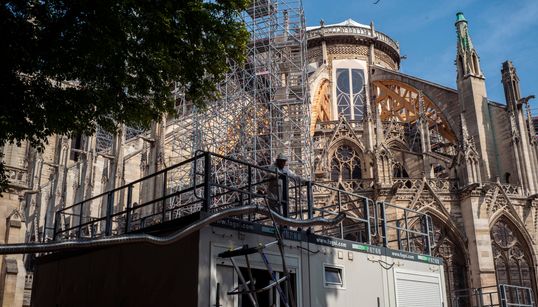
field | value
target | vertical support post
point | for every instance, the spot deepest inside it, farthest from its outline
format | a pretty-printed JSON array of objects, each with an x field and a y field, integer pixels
[
  {"x": 128, "y": 209},
  {"x": 165, "y": 178},
  {"x": 398, "y": 236},
  {"x": 481, "y": 298},
  {"x": 207, "y": 182},
  {"x": 193, "y": 173},
  {"x": 406, "y": 225},
  {"x": 339, "y": 198},
  {"x": 297, "y": 197},
  {"x": 375, "y": 218},
  {"x": 502, "y": 295},
  {"x": 367, "y": 214},
  {"x": 55, "y": 230},
  {"x": 249, "y": 182},
  {"x": 249, "y": 192},
  {"x": 383, "y": 224},
  {"x": 428, "y": 238},
  {"x": 309, "y": 199},
  {"x": 285, "y": 195},
  {"x": 339, "y": 211},
  {"x": 80, "y": 220},
  {"x": 45, "y": 228},
  {"x": 109, "y": 207}
]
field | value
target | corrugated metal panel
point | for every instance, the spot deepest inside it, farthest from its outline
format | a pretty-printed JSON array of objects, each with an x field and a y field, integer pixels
[{"x": 418, "y": 290}]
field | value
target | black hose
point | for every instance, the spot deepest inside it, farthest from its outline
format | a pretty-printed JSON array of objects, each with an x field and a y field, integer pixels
[{"x": 31, "y": 248}]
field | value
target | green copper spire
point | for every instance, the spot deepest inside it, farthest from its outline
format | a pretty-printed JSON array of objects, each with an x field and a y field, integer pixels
[
  {"x": 463, "y": 35},
  {"x": 460, "y": 17}
]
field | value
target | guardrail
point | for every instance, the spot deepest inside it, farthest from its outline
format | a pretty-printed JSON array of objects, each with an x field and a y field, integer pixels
[
  {"x": 502, "y": 295},
  {"x": 217, "y": 182},
  {"x": 352, "y": 30}
]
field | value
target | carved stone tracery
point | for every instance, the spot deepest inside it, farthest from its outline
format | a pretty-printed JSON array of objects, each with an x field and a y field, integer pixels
[
  {"x": 345, "y": 164},
  {"x": 513, "y": 264}
]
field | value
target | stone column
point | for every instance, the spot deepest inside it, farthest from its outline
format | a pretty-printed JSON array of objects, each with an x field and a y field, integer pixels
[{"x": 476, "y": 223}]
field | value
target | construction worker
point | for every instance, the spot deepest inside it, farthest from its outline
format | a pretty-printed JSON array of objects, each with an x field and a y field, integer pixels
[{"x": 275, "y": 185}]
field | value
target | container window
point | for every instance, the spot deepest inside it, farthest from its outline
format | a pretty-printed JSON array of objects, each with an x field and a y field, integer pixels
[{"x": 333, "y": 276}]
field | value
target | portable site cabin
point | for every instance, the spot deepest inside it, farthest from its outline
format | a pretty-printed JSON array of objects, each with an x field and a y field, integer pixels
[{"x": 325, "y": 271}]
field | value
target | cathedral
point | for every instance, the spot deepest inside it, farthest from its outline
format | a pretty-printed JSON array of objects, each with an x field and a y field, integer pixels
[{"x": 468, "y": 162}]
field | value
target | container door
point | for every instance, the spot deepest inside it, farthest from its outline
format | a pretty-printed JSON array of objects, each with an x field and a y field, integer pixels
[{"x": 418, "y": 289}]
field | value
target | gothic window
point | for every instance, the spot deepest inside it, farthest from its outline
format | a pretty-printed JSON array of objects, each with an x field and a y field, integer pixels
[
  {"x": 357, "y": 81},
  {"x": 399, "y": 171},
  {"x": 475, "y": 64},
  {"x": 350, "y": 92},
  {"x": 345, "y": 164},
  {"x": 76, "y": 146},
  {"x": 512, "y": 261},
  {"x": 343, "y": 102}
]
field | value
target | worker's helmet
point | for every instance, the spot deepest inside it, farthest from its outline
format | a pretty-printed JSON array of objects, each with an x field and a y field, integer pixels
[{"x": 282, "y": 157}]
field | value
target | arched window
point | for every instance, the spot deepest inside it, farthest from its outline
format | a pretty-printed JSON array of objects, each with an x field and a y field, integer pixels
[
  {"x": 399, "y": 171},
  {"x": 345, "y": 164},
  {"x": 475, "y": 64},
  {"x": 350, "y": 92},
  {"x": 512, "y": 259}
]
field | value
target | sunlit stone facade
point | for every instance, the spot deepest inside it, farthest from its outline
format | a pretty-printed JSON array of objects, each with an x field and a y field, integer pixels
[{"x": 469, "y": 162}]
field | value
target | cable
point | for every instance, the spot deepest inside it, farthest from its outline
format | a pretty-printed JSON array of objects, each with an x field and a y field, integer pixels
[{"x": 385, "y": 265}]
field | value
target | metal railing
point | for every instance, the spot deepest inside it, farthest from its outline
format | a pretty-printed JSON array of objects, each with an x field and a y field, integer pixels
[
  {"x": 361, "y": 219},
  {"x": 502, "y": 295},
  {"x": 352, "y": 30},
  {"x": 406, "y": 229},
  {"x": 218, "y": 182}
]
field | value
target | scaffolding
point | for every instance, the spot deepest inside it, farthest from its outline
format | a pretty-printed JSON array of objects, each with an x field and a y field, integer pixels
[{"x": 263, "y": 108}]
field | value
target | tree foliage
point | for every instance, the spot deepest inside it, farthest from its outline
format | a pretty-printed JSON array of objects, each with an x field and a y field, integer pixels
[{"x": 67, "y": 66}]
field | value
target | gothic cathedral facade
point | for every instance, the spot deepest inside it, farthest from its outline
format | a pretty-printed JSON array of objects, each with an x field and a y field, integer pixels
[{"x": 470, "y": 162}]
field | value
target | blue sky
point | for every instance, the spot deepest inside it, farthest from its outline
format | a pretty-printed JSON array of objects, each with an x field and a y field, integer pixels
[{"x": 500, "y": 30}]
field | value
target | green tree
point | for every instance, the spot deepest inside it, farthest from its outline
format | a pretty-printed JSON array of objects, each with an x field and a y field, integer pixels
[{"x": 67, "y": 66}]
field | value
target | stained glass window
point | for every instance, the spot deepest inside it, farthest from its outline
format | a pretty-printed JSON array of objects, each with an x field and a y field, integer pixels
[
  {"x": 357, "y": 78},
  {"x": 345, "y": 164},
  {"x": 343, "y": 101},
  {"x": 512, "y": 263},
  {"x": 399, "y": 171},
  {"x": 350, "y": 92}
]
